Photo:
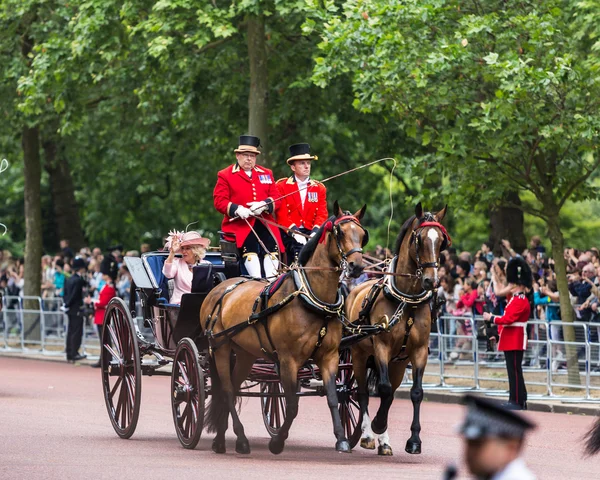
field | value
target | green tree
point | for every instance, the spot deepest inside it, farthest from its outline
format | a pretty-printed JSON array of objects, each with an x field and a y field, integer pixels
[{"x": 502, "y": 96}]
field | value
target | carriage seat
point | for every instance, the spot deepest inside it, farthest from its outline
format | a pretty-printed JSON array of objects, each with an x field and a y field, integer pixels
[{"x": 203, "y": 276}]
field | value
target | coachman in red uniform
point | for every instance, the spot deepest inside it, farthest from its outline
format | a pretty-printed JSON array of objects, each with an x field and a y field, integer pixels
[
  {"x": 512, "y": 329},
  {"x": 304, "y": 206},
  {"x": 243, "y": 193}
]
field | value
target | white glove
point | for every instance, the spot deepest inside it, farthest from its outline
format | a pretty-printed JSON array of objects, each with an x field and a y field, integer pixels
[
  {"x": 257, "y": 207},
  {"x": 301, "y": 239},
  {"x": 243, "y": 212}
]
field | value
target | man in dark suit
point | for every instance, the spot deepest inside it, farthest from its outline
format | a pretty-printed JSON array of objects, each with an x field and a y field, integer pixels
[{"x": 73, "y": 302}]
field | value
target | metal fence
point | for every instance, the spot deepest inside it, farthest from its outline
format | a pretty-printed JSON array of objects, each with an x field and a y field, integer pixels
[
  {"x": 459, "y": 356},
  {"x": 36, "y": 325}
]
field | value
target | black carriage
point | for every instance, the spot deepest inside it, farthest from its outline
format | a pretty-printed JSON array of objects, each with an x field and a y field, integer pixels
[{"x": 178, "y": 342}]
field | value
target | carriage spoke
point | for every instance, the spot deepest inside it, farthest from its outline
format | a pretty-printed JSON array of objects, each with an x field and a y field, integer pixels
[
  {"x": 115, "y": 387},
  {"x": 113, "y": 336}
]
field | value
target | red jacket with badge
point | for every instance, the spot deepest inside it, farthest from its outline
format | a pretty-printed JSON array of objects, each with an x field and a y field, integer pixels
[
  {"x": 291, "y": 213},
  {"x": 235, "y": 188},
  {"x": 107, "y": 293},
  {"x": 513, "y": 324}
]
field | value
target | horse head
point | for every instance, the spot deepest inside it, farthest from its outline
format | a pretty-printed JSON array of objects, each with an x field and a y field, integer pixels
[
  {"x": 429, "y": 238},
  {"x": 348, "y": 237}
]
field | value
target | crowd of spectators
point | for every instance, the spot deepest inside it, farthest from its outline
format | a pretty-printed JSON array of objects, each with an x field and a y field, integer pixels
[{"x": 57, "y": 268}]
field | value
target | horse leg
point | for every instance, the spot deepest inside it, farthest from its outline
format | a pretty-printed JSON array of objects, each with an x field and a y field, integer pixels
[
  {"x": 329, "y": 366},
  {"x": 217, "y": 414},
  {"x": 359, "y": 365},
  {"x": 419, "y": 361},
  {"x": 386, "y": 393},
  {"x": 288, "y": 374},
  {"x": 243, "y": 365},
  {"x": 396, "y": 374}
]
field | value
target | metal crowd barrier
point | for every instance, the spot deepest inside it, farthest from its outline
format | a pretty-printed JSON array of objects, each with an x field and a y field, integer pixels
[
  {"x": 460, "y": 361},
  {"x": 43, "y": 329}
]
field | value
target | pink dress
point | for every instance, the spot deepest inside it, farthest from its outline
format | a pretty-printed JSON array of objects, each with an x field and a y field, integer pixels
[{"x": 180, "y": 272}]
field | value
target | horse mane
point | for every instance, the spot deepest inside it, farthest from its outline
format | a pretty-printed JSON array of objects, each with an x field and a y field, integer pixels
[
  {"x": 426, "y": 217},
  {"x": 309, "y": 248}
]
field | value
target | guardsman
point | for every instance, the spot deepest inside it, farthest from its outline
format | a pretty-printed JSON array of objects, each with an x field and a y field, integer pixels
[
  {"x": 304, "y": 206},
  {"x": 494, "y": 439},
  {"x": 512, "y": 329},
  {"x": 243, "y": 193}
]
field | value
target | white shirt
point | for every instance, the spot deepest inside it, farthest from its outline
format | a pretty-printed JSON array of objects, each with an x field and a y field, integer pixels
[
  {"x": 515, "y": 470},
  {"x": 302, "y": 186}
]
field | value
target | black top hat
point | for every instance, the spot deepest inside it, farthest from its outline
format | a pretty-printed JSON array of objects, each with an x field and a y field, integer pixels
[
  {"x": 79, "y": 264},
  {"x": 248, "y": 143},
  {"x": 109, "y": 267},
  {"x": 518, "y": 272},
  {"x": 488, "y": 418},
  {"x": 300, "y": 151}
]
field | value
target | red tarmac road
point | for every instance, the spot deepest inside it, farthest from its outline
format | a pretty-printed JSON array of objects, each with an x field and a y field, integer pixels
[{"x": 54, "y": 425}]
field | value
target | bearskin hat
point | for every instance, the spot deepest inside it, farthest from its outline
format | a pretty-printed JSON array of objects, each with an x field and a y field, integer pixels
[
  {"x": 109, "y": 267},
  {"x": 518, "y": 272}
]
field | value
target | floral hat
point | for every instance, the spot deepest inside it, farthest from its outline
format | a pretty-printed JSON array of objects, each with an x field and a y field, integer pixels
[{"x": 186, "y": 239}]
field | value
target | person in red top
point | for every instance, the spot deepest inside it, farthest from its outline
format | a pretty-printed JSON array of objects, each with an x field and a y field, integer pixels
[
  {"x": 512, "y": 330},
  {"x": 243, "y": 193},
  {"x": 109, "y": 269},
  {"x": 304, "y": 206}
]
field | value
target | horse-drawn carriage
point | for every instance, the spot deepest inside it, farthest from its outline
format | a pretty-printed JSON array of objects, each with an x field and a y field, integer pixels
[
  {"x": 178, "y": 341},
  {"x": 237, "y": 336}
]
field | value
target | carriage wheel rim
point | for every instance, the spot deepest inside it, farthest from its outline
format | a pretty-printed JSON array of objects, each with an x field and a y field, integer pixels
[{"x": 119, "y": 351}]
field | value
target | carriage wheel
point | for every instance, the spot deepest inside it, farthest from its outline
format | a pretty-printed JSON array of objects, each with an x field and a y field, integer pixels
[
  {"x": 348, "y": 399},
  {"x": 187, "y": 394},
  {"x": 273, "y": 406},
  {"x": 121, "y": 368}
]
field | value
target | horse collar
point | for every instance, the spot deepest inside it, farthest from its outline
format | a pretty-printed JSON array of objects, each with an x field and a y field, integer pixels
[{"x": 394, "y": 294}]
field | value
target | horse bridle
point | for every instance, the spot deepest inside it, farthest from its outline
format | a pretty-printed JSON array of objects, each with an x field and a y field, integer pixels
[
  {"x": 337, "y": 234},
  {"x": 416, "y": 238}
]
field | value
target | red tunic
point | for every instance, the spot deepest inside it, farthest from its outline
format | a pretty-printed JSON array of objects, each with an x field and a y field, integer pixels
[
  {"x": 235, "y": 188},
  {"x": 107, "y": 293},
  {"x": 291, "y": 213},
  {"x": 513, "y": 324}
]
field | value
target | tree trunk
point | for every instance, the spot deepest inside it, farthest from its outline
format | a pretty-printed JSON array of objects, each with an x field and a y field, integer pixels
[
  {"x": 32, "y": 172},
  {"x": 259, "y": 84},
  {"x": 507, "y": 223},
  {"x": 566, "y": 310},
  {"x": 66, "y": 211}
]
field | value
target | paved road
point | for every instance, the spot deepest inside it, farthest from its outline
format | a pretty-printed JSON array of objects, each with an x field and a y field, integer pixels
[{"x": 54, "y": 425}]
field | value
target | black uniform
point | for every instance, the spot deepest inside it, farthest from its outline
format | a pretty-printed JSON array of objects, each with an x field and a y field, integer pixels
[{"x": 73, "y": 302}]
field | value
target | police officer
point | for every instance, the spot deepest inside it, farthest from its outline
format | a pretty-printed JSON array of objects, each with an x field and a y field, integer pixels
[
  {"x": 494, "y": 439},
  {"x": 73, "y": 299},
  {"x": 512, "y": 329},
  {"x": 304, "y": 206},
  {"x": 243, "y": 193}
]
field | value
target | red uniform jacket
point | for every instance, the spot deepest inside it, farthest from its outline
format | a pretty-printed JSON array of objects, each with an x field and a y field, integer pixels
[
  {"x": 107, "y": 293},
  {"x": 513, "y": 324},
  {"x": 291, "y": 213},
  {"x": 235, "y": 188}
]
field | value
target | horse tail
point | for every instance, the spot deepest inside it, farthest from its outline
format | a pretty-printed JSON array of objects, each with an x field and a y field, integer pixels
[
  {"x": 592, "y": 444},
  {"x": 218, "y": 410}
]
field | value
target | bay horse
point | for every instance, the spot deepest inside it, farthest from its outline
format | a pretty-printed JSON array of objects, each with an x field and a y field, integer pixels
[
  {"x": 300, "y": 321},
  {"x": 404, "y": 301}
]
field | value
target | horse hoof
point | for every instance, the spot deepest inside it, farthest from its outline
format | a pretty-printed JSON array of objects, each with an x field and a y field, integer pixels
[
  {"x": 218, "y": 447},
  {"x": 414, "y": 448},
  {"x": 385, "y": 450},
  {"x": 242, "y": 447},
  {"x": 343, "y": 446},
  {"x": 367, "y": 443},
  {"x": 276, "y": 446}
]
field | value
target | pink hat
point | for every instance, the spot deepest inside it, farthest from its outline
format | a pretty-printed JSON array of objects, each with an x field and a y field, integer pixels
[{"x": 194, "y": 238}]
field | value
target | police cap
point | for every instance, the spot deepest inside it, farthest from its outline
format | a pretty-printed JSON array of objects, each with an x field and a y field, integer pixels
[{"x": 487, "y": 418}]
